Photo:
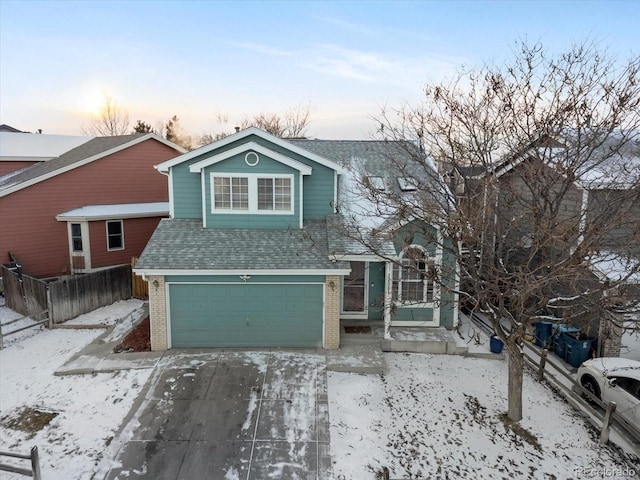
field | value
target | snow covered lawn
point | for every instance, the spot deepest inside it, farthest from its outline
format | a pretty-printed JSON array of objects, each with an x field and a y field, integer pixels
[
  {"x": 70, "y": 419},
  {"x": 440, "y": 416}
]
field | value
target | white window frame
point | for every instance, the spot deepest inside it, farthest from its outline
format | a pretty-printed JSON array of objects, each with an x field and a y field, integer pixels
[
  {"x": 106, "y": 223},
  {"x": 72, "y": 237},
  {"x": 253, "y": 193},
  {"x": 403, "y": 263}
]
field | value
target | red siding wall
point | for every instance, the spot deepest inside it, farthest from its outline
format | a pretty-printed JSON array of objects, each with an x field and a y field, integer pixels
[
  {"x": 8, "y": 166},
  {"x": 137, "y": 232},
  {"x": 28, "y": 227}
]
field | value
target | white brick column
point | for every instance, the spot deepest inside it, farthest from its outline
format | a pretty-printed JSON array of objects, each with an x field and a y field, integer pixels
[
  {"x": 158, "y": 312},
  {"x": 331, "y": 340}
]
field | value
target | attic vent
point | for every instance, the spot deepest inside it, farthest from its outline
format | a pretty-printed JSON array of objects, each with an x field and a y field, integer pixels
[
  {"x": 407, "y": 184},
  {"x": 377, "y": 183}
]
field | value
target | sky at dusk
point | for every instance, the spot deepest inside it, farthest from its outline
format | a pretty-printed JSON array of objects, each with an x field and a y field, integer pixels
[{"x": 204, "y": 60}]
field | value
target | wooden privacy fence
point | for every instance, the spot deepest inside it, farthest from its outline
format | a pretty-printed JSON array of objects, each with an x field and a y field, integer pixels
[
  {"x": 139, "y": 288},
  {"x": 69, "y": 296},
  {"x": 24, "y": 294}
]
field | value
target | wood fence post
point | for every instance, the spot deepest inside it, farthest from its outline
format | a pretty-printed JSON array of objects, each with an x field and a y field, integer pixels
[
  {"x": 49, "y": 307},
  {"x": 543, "y": 362},
  {"x": 385, "y": 473},
  {"x": 35, "y": 464},
  {"x": 606, "y": 426}
]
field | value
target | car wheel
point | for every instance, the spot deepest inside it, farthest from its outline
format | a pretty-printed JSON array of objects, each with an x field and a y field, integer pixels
[{"x": 590, "y": 384}]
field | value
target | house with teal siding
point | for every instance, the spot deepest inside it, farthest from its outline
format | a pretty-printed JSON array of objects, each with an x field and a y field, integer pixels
[{"x": 257, "y": 250}]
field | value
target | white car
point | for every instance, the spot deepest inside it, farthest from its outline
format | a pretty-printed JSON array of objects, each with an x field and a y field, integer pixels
[{"x": 614, "y": 380}]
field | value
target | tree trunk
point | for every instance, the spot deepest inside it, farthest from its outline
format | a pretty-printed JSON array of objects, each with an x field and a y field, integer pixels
[{"x": 516, "y": 365}]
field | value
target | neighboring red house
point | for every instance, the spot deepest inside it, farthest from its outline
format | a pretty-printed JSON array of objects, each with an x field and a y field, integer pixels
[{"x": 94, "y": 206}]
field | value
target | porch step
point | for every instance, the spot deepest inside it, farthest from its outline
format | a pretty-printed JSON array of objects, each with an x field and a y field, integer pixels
[
  {"x": 366, "y": 358},
  {"x": 422, "y": 340}
]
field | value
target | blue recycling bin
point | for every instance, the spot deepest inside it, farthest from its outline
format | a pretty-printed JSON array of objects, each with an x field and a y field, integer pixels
[
  {"x": 577, "y": 350},
  {"x": 495, "y": 344},
  {"x": 560, "y": 333},
  {"x": 543, "y": 333}
]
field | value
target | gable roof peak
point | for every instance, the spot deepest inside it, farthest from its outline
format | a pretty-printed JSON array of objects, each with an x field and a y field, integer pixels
[{"x": 246, "y": 133}]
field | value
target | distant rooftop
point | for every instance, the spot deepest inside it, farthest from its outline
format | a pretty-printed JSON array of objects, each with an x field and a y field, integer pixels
[{"x": 15, "y": 146}]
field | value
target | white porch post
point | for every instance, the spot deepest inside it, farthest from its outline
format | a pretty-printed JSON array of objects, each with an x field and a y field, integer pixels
[
  {"x": 388, "y": 286},
  {"x": 437, "y": 288}
]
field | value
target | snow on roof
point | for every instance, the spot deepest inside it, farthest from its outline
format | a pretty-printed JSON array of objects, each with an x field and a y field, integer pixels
[
  {"x": 37, "y": 147},
  {"x": 123, "y": 210},
  {"x": 615, "y": 266}
]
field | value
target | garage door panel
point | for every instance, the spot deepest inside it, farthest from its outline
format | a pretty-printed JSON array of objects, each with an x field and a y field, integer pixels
[{"x": 246, "y": 315}]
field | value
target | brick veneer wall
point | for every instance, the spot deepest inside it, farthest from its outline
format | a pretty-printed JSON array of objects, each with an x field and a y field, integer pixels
[
  {"x": 158, "y": 313},
  {"x": 332, "y": 312},
  {"x": 611, "y": 339}
]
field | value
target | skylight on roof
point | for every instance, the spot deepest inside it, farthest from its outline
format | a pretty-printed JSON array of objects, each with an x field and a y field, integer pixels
[
  {"x": 376, "y": 183},
  {"x": 407, "y": 184}
]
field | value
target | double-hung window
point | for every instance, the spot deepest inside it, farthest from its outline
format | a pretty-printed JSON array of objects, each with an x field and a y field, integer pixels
[
  {"x": 413, "y": 277},
  {"x": 274, "y": 194},
  {"x": 115, "y": 235},
  {"x": 230, "y": 193},
  {"x": 253, "y": 193},
  {"x": 76, "y": 237}
]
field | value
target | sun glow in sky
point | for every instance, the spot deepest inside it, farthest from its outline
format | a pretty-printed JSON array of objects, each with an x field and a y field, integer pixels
[{"x": 203, "y": 59}]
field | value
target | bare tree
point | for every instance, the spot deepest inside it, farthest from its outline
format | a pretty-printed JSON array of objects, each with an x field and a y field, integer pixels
[
  {"x": 522, "y": 146},
  {"x": 112, "y": 120},
  {"x": 292, "y": 124}
]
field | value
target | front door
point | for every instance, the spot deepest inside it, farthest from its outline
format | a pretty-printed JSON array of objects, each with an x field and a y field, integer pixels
[{"x": 354, "y": 291}]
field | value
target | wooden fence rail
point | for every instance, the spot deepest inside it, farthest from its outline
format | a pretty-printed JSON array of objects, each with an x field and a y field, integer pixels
[
  {"x": 576, "y": 394},
  {"x": 40, "y": 319},
  {"x": 68, "y": 296},
  {"x": 34, "y": 471}
]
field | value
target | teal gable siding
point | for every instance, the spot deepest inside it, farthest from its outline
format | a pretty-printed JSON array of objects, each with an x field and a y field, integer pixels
[
  {"x": 318, "y": 188},
  {"x": 187, "y": 192},
  {"x": 266, "y": 165},
  {"x": 318, "y": 193}
]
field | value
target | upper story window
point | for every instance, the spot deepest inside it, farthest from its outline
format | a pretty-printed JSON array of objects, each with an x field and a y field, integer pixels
[
  {"x": 274, "y": 194},
  {"x": 230, "y": 193},
  {"x": 253, "y": 193},
  {"x": 413, "y": 277},
  {"x": 115, "y": 235}
]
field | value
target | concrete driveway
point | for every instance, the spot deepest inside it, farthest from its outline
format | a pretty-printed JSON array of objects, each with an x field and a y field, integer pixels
[{"x": 231, "y": 415}]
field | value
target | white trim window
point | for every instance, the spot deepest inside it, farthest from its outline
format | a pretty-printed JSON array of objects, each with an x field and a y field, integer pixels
[
  {"x": 252, "y": 193},
  {"x": 115, "y": 235},
  {"x": 230, "y": 193},
  {"x": 413, "y": 277},
  {"x": 76, "y": 237}
]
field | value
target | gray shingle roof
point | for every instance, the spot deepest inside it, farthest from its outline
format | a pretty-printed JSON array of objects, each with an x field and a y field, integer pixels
[
  {"x": 86, "y": 150},
  {"x": 183, "y": 244}
]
